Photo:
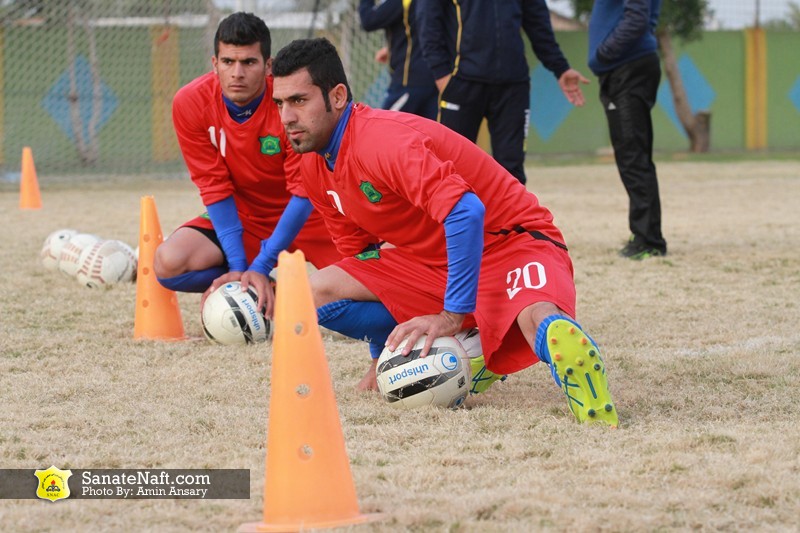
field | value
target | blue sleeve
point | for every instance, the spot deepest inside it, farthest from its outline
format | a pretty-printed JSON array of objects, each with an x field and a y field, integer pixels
[
  {"x": 228, "y": 227},
  {"x": 463, "y": 229},
  {"x": 292, "y": 220},
  {"x": 635, "y": 22}
]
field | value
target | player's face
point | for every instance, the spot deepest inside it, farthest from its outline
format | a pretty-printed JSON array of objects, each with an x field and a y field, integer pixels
[
  {"x": 241, "y": 71},
  {"x": 309, "y": 125}
]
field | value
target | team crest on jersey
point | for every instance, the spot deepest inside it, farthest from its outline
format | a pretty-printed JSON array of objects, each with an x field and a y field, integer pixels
[
  {"x": 371, "y": 254},
  {"x": 370, "y": 192},
  {"x": 270, "y": 145},
  {"x": 53, "y": 483}
]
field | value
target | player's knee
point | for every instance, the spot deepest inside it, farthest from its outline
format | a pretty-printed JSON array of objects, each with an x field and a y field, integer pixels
[
  {"x": 168, "y": 261},
  {"x": 323, "y": 288}
]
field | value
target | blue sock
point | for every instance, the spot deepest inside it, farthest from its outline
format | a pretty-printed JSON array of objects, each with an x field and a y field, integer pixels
[
  {"x": 364, "y": 321},
  {"x": 194, "y": 280}
]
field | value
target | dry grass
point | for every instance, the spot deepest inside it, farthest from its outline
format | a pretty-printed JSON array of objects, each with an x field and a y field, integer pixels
[{"x": 701, "y": 348}]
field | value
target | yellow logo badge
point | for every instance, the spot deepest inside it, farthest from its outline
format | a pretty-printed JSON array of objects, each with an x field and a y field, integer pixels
[{"x": 53, "y": 484}]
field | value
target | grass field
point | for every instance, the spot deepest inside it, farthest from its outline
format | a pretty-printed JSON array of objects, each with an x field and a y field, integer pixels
[{"x": 701, "y": 348}]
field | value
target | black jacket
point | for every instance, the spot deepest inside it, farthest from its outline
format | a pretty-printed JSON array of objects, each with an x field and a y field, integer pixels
[
  {"x": 397, "y": 17},
  {"x": 490, "y": 48}
]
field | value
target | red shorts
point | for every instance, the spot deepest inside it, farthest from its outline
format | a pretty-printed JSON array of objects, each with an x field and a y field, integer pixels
[
  {"x": 516, "y": 273},
  {"x": 314, "y": 241}
]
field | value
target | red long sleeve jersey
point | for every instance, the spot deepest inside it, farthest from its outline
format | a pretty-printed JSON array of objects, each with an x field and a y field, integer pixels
[
  {"x": 253, "y": 161},
  {"x": 397, "y": 177}
]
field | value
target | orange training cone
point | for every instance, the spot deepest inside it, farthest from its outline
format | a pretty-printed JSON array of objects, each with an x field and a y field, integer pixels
[
  {"x": 308, "y": 480},
  {"x": 157, "y": 313},
  {"x": 29, "y": 196}
]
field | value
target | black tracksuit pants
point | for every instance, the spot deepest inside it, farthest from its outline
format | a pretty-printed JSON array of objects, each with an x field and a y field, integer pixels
[
  {"x": 465, "y": 103},
  {"x": 628, "y": 94}
]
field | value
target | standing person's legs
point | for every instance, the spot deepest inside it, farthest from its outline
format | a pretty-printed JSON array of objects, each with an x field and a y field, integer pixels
[
  {"x": 462, "y": 106},
  {"x": 422, "y": 101},
  {"x": 628, "y": 95},
  {"x": 508, "y": 115}
]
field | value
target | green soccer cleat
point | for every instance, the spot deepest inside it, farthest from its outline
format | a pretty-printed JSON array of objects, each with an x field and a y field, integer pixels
[
  {"x": 482, "y": 377},
  {"x": 577, "y": 368}
]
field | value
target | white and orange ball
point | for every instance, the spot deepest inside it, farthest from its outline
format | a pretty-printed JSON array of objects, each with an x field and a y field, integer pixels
[
  {"x": 106, "y": 263},
  {"x": 69, "y": 258},
  {"x": 51, "y": 249}
]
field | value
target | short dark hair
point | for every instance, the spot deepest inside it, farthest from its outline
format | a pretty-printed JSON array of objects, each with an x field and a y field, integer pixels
[
  {"x": 242, "y": 29},
  {"x": 319, "y": 56}
]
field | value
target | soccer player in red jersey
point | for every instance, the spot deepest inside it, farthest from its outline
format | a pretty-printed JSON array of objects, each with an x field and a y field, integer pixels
[
  {"x": 470, "y": 244},
  {"x": 238, "y": 156}
]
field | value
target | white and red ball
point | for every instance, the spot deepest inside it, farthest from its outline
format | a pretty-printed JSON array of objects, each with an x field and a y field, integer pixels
[
  {"x": 106, "y": 263},
  {"x": 51, "y": 249},
  {"x": 442, "y": 378},
  {"x": 231, "y": 316},
  {"x": 69, "y": 258}
]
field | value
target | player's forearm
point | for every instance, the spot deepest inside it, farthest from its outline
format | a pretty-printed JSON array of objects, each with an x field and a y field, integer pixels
[
  {"x": 291, "y": 222},
  {"x": 228, "y": 227},
  {"x": 464, "y": 234}
]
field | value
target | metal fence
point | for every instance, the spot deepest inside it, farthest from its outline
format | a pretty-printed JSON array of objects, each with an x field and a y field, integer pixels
[{"x": 88, "y": 84}]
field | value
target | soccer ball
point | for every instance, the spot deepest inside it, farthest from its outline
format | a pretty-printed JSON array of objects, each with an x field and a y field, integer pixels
[
  {"x": 230, "y": 316},
  {"x": 106, "y": 263},
  {"x": 442, "y": 378},
  {"x": 69, "y": 258},
  {"x": 51, "y": 249}
]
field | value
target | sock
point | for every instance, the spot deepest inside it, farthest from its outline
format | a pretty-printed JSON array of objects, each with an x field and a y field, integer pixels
[
  {"x": 364, "y": 321},
  {"x": 194, "y": 280}
]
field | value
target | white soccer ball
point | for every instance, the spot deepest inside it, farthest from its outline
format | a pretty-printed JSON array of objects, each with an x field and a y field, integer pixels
[
  {"x": 51, "y": 249},
  {"x": 105, "y": 263},
  {"x": 442, "y": 378},
  {"x": 230, "y": 316},
  {"x": 69, "y": 258}
]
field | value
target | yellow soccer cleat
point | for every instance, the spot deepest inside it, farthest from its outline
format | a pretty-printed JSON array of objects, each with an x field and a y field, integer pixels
[
  {"x": 577, "y": 368},
  {"x": 482, "y": 377}
]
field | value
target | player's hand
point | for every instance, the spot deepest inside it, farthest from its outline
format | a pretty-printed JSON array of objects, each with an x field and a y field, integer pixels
[
  {"x": 570, "y": 85},
  {"x": 233, "y": 275},
  {"x": 442, "y": 82},
  {"x": 441, "y": 325},
  {"x": 261, "y": 284}
]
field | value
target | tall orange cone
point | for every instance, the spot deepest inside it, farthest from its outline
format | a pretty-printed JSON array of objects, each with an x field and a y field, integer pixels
[
  {"x": 29, "y": 196},
  {"x": 158, "y": 315},
  {"x": 308, "y": 480}
]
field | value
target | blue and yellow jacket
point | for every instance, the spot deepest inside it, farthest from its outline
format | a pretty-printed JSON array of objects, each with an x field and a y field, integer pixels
[
  {"x": 397, "y": 17},
  {"x": 481, "y": 40}
]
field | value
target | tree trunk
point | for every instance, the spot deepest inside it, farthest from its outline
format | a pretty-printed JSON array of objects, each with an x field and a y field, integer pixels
[
  {"x": 92, "y": 143},
  {"x": 73, "y": 97},
  {"x": 87, "y": 147},
  {"x": 696, "y": 126}
]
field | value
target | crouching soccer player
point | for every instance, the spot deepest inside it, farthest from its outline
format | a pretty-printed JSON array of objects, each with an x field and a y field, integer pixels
[
  {"x": 238, "y": 156},
  {"x": 471, "y": 244}
]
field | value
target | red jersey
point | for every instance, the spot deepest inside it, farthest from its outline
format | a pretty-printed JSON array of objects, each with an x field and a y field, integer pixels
[
  {"x": 397, "y": 177},
  {"x": 252, "y": 161}
]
